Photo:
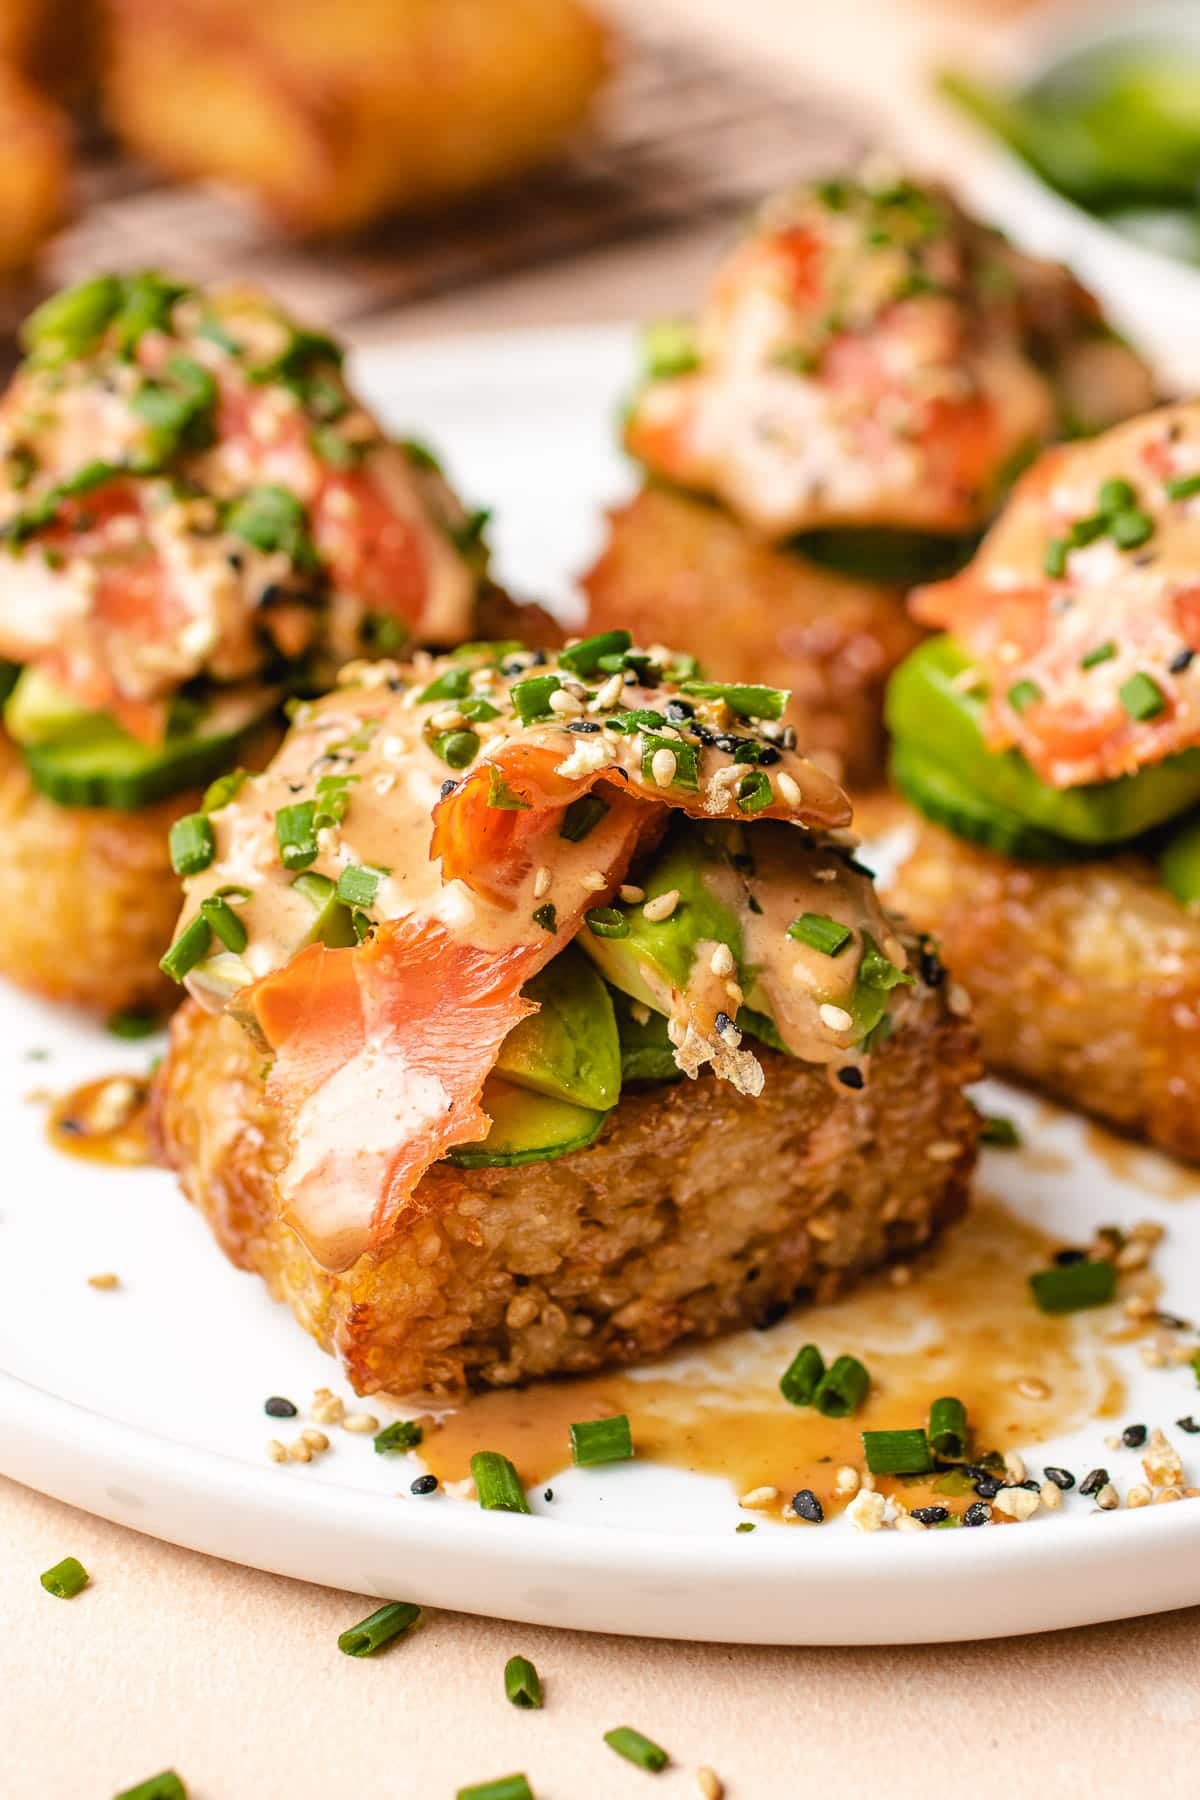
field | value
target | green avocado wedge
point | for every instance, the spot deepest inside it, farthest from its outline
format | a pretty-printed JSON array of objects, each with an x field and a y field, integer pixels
[
  {"x": 527, "y": 1128},
  {"x": 569, "y": 1049},
  {"x": 925, "y": 708},
  {"x": 646, "y": 1052}
]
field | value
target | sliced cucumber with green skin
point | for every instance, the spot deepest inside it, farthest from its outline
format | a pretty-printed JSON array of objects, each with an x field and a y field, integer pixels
[
  {"x": 900, "y": 558},
  {"x": 1179, "y": 863},
  {"x": 527, "y": 1128},
  {"x": 925, "y": 707},
  {"x": 937, "y": 793}
]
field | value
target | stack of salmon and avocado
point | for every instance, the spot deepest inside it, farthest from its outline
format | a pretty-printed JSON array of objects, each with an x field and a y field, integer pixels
[
  {"x": 1054, "y": 734},
  {"x": 453, "y": 957},
  {"x": 198, "y": 521},
  {"x": 871, "y": 370}
]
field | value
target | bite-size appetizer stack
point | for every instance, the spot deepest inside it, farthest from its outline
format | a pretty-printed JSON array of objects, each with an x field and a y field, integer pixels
[
  {"x": 542, "y": 1018},
  {"x": 870, "y": 371},
  {"x": 198, "y": 520},
  {"x": 1053, "y": 736}
]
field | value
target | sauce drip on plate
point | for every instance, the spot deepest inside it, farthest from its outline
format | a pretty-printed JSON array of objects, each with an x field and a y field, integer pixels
[{"x": 103, "y": 1121}]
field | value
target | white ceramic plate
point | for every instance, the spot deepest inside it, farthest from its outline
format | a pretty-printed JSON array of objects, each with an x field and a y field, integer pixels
[{"x": 145, "y": 1404}]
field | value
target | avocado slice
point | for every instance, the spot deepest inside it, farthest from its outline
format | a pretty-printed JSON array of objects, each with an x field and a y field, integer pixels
[
  {"x": 527, "y": 1128},
  {"x": 569, "y": 1049},
  {"x": 646, "y": 1050},
  {"x": 38, "y": 711}
]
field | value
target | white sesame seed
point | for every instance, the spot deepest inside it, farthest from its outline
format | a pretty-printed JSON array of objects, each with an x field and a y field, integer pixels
[
  {"x": 662, "y": 767},
  {"x": 661, "y": 907},
  {"x": 906, "y": 1522},
  {"x": 1138, "y": 1496},
  {"x": 1050, "y": 1496},
  {"x": 565, "y": 703},
  {"x": 276, "y": 1451},
  {"x": 845, "y": 1480},
  {"x": 1017, "y": 1502},
  {"x": 631, "y": 895},
  {"x": 105, "y": 1281},
  {"x": 958, "y": 1000},
  {"x": 541, "y": 883},
  {"x": 608, "y": 695},
  {"x": 942, "y": 1151},
  {"x": 834, "y": 1018},
  {"x": 758, "y": 1497},
  {"x": 594, "y": 882},
  {"x": 1014, "y": 1466},
  {"x": 1107, "y": 1499},
  {"x": 721, "y": 961},
  {"x": 640, "y": 1013},
  {"x": 447, "y": 718},
  {"x": 316, "y": 1440},
  {"x": 1032, "y": 1387},
  {"x": 299, "y": 1451},
  {"x": 709, "y": 1784},
  {"x": 788, "y": 788},
  {"x": 1164, "y": 1495},
  {"x": 361, "y": 1423}
]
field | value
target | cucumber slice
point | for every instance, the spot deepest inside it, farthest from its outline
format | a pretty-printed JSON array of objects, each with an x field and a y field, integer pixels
[
  {"x": 527, "y": 1128},
  {"x": 1179, "y": 863},
  {"x": 900, "y": 558},
  {"x": 941, "y": 796}
]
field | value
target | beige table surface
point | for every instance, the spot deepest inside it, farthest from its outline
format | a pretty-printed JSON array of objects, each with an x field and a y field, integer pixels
[{"x": 234, "y": 1677}]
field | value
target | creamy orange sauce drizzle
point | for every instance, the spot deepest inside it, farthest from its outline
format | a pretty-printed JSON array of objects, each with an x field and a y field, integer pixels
[
  {"x": 103, "y": 1121},
  {"x": 963, "y": 1325}
]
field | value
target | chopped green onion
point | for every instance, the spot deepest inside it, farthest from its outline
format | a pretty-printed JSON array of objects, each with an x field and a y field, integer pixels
[
  {"x": 1101, "y": 654},
  {"x": 225, "y": 923},
  {"x": 1142, "y": 697},
  {"x": 820, "y": 932},
  {"x": 1131, "y": 528},
  {"x": 69, "y": 323},
  {"x": 329, "y": 446},
  {"x": 457, "y": 748},
  {"x": 1182, "y": 487},
  {"x": 478, "y": 707},
  {"x": 467, "y": 538},
  {"x": 546, "y": 916},
  {"x": 419, "y": 455},
  {"x": 1116, "y": 496},
  {"x": 453, "y": 685},
  {"x": 606, "y": 922},
  {"x": 1054, "y": 562},
  {"x": 522, "y": 1683},
  {"x": 296, "y": 834},
  {"x": 404, "y": 1434},
  {"x": 532, "y": 697},
  {"x": 509, "y": 1787},
  {"x": 999, "y": 1132},
  {"x": 1022, "y": 695},
  {"x": 166, "y": 1786},
  {"x": 271, "y": 518},
  {"x": 948, "y": 1427},
  {"x": 637, "y": 1749},
  {"x": 601, "y": 1441},
  {"x": 131, "y": 1024},
  {"x": 875, "y": 970},
  {"x": 800, "y": 1380},
  {"x": 500, "y": 794},
  {"x": 687, "y": 760},
  {"x": 358, "y": 884},
  {"x": 192, "y": 843},
  {"x": 65, "y": 1579},
  {"x": 333, "y": 797},
  {"x": 745, "y": 699},
  {"x": 842, "y": 1389},
  {"x": 189, "y": 948},
  {"x": 221, "y": 791},
  {"x": 745, "y": 1525},
  {"x": 1086, "y": 531},
  {"x": 1070, "y": 1287},
  {"x": 754, "y": 792},
  {"x": 583, "y": 658},
  {"x": 897, "y": 1452},
  {"x": 582, "y": 817},
  {"x": 497, "y": 1483},
  {"x": 379, "y": 1629},
  {"x": 669, "y": 347}
]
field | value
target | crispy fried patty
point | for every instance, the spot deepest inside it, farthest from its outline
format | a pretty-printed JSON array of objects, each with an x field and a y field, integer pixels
[
  {"x": 678, "y": 571},
  {"x": 695, "y": 1212},
  {"x": 1085, "y": 978}
]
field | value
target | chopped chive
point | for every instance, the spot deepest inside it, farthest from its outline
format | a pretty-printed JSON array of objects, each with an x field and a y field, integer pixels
[
  {"x": 478, "y": 707},
  {"x": 1086, "y": 531},
  {"x": 948, "y": 1427},
  {"x": 166, "y": 1786},
  {"x": 606, "y": 922},
  {"x": 358, "y": 884},
  {"x": 743, "y": 698},
  {"x": 532, "y": 697},
  {"x": 65, "y": 1579},
  {"x": 225, "y": 923},
  {"x": 583, "y": 658},
  {"x": 131, "y": 1025},
  {"x": 582, "y": 817},
  {"x": 296, "y": 834},
  {"x": 601, "y": 1441},
  {"x": 508, "y": 1787},
  {"x": 382, "y": 1626},
  {"x": 842, "y": 1389},
  {"x": 546, "y": 916},
  {"x": 999, "y": 1132},
  {"x": 333, "y": 797},
  {"x": 1131, "y": 528},
  {"x": 637, "y": 1749},
  {"x": 522, "y": 1683},
  {"x": 1182, "y": 487},
  {"x": 1116, "y": 496},
  {"x": 876, "y": 971},
  {"x": 687, "y": 759},
  {"x": 456, "y": 748},
  {"x": 754, "y": 792},
  {"x": 497, "y": 1483},
  {"x": 404, "y": 1434},
  {"x": 820, "y": 932},
  {"x": 1022, "y": 694},
  {"x": 189, "y": 948},
  {"x": 362, "y": 924},
  {"x": 221, "y": 791},
  {"x": 1101, "y": 654},
  {"x": 192, "y": 844},
  {"x": 453, "y": 685},
  {"x": 1069, "y": 1287},
  {"x": 1142, "y": 697},
  {"x": 799, "y": 1382},
  {"x": 897, "y": 1452},
  {"x": 669, "y": 347},
  {"x": 744, "y": 1525},
  {"x": 1054, "y": 562},
  {"x": 500, "y": 794}
]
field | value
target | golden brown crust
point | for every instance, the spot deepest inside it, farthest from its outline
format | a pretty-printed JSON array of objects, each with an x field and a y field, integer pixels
[
  {"x": 696, "y": 1211},
  {"x": 1085, "y": 979},
  {"x": 34, "y": 173},
  {"x": 680, "y": 572}
]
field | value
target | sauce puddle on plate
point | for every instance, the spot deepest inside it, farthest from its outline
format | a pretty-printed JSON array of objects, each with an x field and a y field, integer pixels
[
  {"x": 964, "y": 1324},
  {"x": 104, "y": 1121}
]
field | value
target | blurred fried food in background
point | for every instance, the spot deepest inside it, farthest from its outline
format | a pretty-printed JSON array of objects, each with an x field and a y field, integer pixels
[
  {"x": 332, "y": 115},
  {"x": 34, "y": 168}
]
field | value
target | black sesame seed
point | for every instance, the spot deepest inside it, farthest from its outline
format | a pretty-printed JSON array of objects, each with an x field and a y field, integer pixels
[
  {"x": 1031, "y": 1486},
  {"x": 806, "y": 1506},
  {"x": 987, "y": 1487},
  {"x": 1181, "y": 660},
  {"x": 1062, "y": 1478},
  {"x": 723, "y": 1022},
  {"x": 1189, "y": 1424},
  {"x": 931, "y": 1515},
  {"x": 279, "y": 1408},
  {"x": 1133, "y": 1437},
  {"x": 933, "y": 972},
  {"x": 512, "y": 668},
  {"x": 858, "y": 868},
  {"x": 771, "y": 1315},
  {"x": 1093, "y": 1481},
  {"x": 724, "y": 741},
  {"x": 1064, "y": 1258},
  {"x": 448, "y": 787},
  {"x": 584, "y": 727},
  {"x": 851, "y": 1077},
  {"x": 236, "y": 561},
  {"x": 679, "y": 709},
  {"x": 549, "y": 1494},
  {"x": 424, "y": 1484},
  {"x": 539, "y": 660},
  {"x": 978, "y": 1513}
]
